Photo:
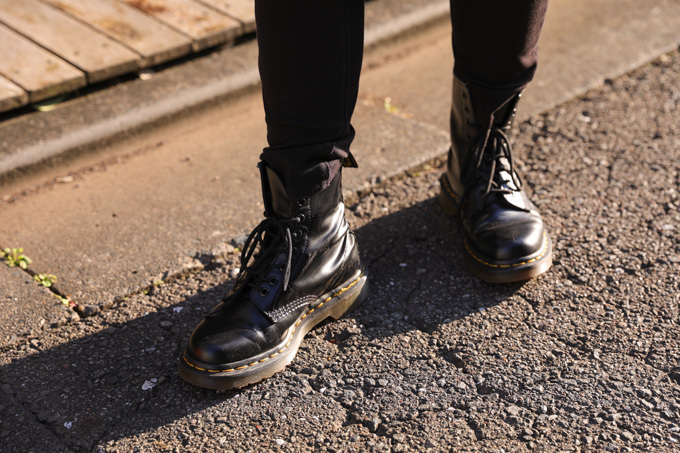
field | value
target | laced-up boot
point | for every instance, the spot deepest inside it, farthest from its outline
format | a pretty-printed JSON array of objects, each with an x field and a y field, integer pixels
[
  {"x": 299, "y": 267},
  {"x": 504, "y": 239}
]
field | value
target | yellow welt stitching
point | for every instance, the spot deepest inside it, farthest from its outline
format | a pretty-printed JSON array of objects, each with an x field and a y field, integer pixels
[
  {"x": 184, "y": 356},
  {"x": 544, "y": 250},
  {"x": 339, "y": 292}
]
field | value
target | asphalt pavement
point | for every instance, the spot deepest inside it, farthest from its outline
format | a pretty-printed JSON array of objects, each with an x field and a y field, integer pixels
[{"x": 586, "y": 357}]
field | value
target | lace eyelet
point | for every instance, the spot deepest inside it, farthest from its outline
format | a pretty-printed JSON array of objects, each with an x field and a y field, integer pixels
[
  {"x": 273, "y": 281},
  {"x": 264, "y": 292},
  {"x": 296, "y": 234},
  {"x": 301, "y": 218},
  {"x": 301, "y": 203}
]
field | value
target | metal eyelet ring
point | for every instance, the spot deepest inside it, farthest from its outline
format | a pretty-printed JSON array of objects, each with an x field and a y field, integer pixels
[
  {"x": 301, "y": 217},
  {"x": 301, "y": 203},
  {"x": 264, "y": 292},
  {"x": 296, "y": 234},
  {"x": 273, "y": 281}
]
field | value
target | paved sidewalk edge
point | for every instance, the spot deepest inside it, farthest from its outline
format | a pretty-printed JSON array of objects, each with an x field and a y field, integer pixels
[{"x": 138, "y": 118}]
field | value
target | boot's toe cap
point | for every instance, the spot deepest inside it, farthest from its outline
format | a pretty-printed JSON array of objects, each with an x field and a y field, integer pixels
[
  {"x": 510, "y": 240},
  {"x": 222, "y": 346}
]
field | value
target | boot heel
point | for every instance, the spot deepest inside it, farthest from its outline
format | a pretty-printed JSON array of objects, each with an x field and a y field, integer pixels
[{"x": 446, "y": 198}]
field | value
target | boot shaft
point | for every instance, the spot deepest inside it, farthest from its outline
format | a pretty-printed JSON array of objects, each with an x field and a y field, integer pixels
[
  {"x": 466, "y": 126},
  {"x": 319, "y": 213},
  {"x": 323, "y": 249}
]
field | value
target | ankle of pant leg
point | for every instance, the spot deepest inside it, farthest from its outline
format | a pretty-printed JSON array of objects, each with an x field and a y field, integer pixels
[{"x": 306, "y": 171}]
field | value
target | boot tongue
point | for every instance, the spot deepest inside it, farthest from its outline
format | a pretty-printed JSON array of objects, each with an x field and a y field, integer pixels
[{"x": 276, "y": 200}]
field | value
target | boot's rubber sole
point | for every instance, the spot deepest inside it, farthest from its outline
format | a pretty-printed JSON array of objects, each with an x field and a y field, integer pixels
[
  {"x": 488, "y": 269},
  {"x": 334, "y": 304}
]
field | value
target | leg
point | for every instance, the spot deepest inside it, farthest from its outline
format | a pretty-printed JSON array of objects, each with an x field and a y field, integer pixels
[
  {"x": 310, "y": 60},
  {"x": 495, "y": 46},
  {"x": 495, "y": 49},
  {"x": 301, "y": 265}
]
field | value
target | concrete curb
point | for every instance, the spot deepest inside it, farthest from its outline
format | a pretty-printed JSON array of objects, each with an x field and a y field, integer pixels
[
  {"x": 136, "y": 118},
  {"x": 133, "y": 120}
]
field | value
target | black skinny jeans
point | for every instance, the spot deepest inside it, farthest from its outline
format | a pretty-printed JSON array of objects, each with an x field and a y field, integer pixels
[{"x": 310, "y": 60}]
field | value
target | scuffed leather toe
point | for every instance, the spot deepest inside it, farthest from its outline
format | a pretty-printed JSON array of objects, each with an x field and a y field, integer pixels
[
  {"x": 211, "y": 345},
  {"x": 519, "y": 236}
]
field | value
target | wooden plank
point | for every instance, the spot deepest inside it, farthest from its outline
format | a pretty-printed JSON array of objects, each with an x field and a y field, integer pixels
[
  {"x": 205, "y": 25},
  {"x": 35, "y": 69},
  {"x": 11, "y": 95},
  {"x": 241, "y": 10},
  {"x": 153, "y": 40},
  {"x": 98, "y": 55}
]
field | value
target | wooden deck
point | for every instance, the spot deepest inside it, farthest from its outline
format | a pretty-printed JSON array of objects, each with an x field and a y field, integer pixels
[{"x": 51, "y": 47}]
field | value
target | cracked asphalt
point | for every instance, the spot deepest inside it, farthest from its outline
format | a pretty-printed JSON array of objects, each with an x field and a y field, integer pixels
[{"x": 586, "y": 357}]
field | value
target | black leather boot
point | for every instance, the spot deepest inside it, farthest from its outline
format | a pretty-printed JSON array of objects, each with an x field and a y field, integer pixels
[
  {"x": 504, "y": 239},
  {"x": 298, "y": 267}
]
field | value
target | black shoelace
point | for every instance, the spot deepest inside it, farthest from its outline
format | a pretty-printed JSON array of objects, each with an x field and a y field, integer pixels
[
  {"x": 262, "y": 247},
  {"x": 487, "y": 150}
]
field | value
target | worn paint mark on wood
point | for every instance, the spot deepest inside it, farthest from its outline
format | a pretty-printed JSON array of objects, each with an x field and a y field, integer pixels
[
  {"x": 241, "y": 10},
  {"x": 153, "y": 40},
  {"x": 207, "y": 26}
]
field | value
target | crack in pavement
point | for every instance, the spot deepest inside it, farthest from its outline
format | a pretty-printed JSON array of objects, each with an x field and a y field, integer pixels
[
  {"x": 62, "y": 298},
  {"x": 11, "y": 395}
]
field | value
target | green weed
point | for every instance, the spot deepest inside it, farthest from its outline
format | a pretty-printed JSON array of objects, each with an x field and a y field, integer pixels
[
  {"x": 45, "y": 279},
  {"x": 15, "y": 257}
]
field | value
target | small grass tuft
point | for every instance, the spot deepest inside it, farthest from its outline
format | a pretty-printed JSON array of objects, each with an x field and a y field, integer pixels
[
  {"x": 15, "y": 257},
  {"x": 45, "y": 279}
]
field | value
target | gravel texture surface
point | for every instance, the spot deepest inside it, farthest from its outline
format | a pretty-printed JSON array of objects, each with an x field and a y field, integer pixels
[{"x": 585, "y": 357}]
